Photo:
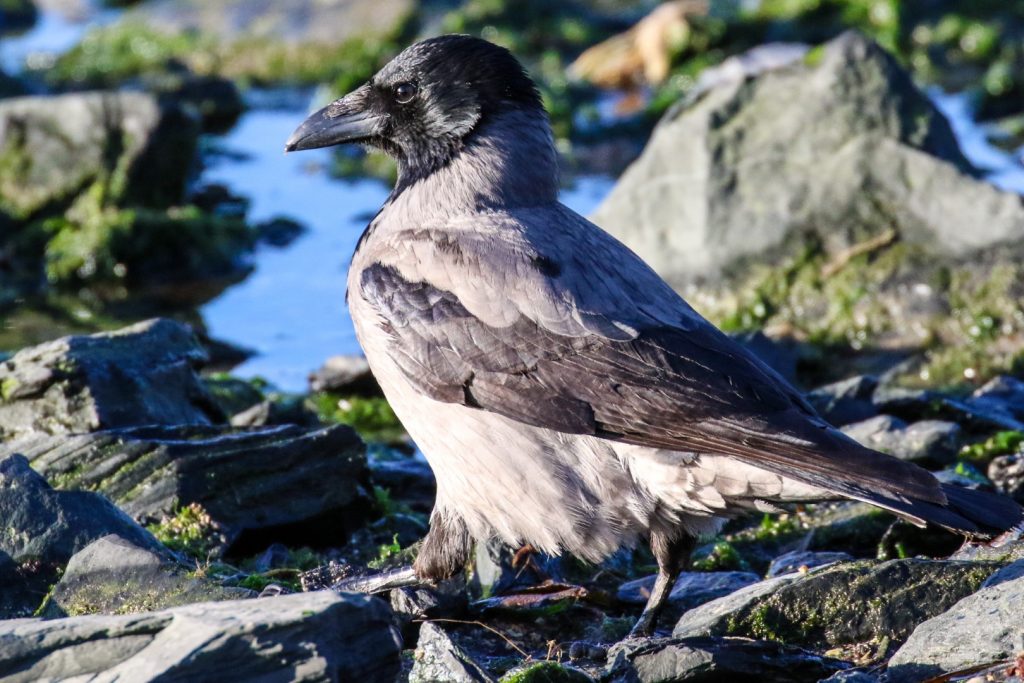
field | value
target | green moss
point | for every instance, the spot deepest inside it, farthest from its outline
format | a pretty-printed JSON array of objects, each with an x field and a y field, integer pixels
[
  {"x": 232, "y": 394},
  {"x": 722, "y": 557},
  {"x": 190, "y": 531},
  {"x": 545, "y": 672},
  {"x": 7, "y": 387},
  {"x": 112, "y": 54},
  {"x": 1000, "y": 443},
  {"x": 95, "y": 243},
  {"x": 372, "y": 418},
  {"x": 385, "y": 553}
]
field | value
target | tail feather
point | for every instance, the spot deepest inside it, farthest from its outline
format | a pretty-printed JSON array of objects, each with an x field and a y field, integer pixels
[{"x": 973, "y": 513}]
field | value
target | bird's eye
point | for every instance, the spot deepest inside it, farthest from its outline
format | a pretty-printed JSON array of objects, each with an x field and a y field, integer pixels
[{"x": 404, "y": 92}]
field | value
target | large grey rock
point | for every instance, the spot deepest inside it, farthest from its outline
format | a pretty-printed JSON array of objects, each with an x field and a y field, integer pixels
[
  {"x": 934, "y": 442},
  {"x": 715, "y": 659},
  {"x": 43, "y": 528},
  {"x": 438, "y": 659},
  {"x": 114, "y": 576},
  {"x": 690, "y": 590},
  {"x": 284, "y": 483},
  {"x": 841, "y": 604},
  {"x": 1000, "y": 395},
  {"x": 140, "y": 375},
  {"x": 54, "y": 147},
  {"x": 298, "y": 21},
  {"x": 841, "y": 145},
  {"x": 309, "y": 637},
  {"x": 983, "y": 628}
]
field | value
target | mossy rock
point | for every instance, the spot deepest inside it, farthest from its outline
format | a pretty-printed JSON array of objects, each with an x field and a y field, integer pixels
[{"x": 854, "y": 602}]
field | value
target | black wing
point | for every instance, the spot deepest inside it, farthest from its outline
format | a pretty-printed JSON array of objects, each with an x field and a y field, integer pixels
[{"x": 692, "y": 390}]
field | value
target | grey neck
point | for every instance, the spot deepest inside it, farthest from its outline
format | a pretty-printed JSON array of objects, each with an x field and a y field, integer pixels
[{"x": 509, "y": 162}]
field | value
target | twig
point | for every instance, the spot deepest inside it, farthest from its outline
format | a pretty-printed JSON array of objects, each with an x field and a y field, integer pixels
[
  {"x": 489, "y": 628},
  {"x": 865, "y": 247}
]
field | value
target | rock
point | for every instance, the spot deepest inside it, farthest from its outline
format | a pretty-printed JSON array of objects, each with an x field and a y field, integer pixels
[
  {"x": 447, "y": 599},
  {"x": 346, "y": 376},
  {"x": 114, "y": 576},
  {"x": 802, "y": 560},
  {"x": 495, "y": 571},
  {"x": 17, "y": 15},
  {"x": 1000, "y": 395},
  {"x": 408, "y": 480},
  {"x": 932, "y": 442},
  {"x": 215, "y": 102},
  {"x": 715, "y": 659},
  {"x": 44, "y": 528},
  {"x": 850, "y": 676},
  {"x": 780, "y": 355},
  {"x": 691, "y": 589},
  {"x": 1007, "y": 474},
  {"x": 767, "y": 200},
  {"x": 916, "y": 404},
  {"x": 54, "y": 147},
  {"x": 438, "y": 659},
  {"x": 258, "y": 486},
  {"x": 140, "y": 375},
  {"x": 846, "y": 401},
  {"x": 840, "y": 604},
  {"x": 825, "y": 141},
  {"x": 309, "y": 636},
  {"x": 982, "y": 628},
  {"x": 278, "y": 410}
]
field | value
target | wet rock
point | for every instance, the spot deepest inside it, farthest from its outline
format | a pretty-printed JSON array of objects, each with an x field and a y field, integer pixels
[
  {"x": 715, "y": 659},
  {"x": 802, "y": 560},
  {"x": 846, "y": 401},
  {"x": 114, "y": 576},
  {"x": 280, "y": 232},
  {"x": 447, "y": 599},
  {"x": 932, "y": 442},
  {"x": 982, "y": 628},
  {"x": 409, "y": 480},
  {"x": 57, "y": 146},
  {"x": 215, "y": 102},
  {"x": 438, "y": 658},
  {"x": 258, "y": 486},
  {"x": 1001, "y": 394},
  {"x": 691, "y": 589},
  {"x": 308, "y": 636},
  {"x": 17, "y": 15},
  {"x": 1007, "y": 474},
  {"x": 140, "y": 375},
  {"x": 918, "y": 404},
  {"x": 863, "y": 133},
  {"x": 841, "y": 604},
  {"x": 44, "y": 528},
  {"x": 277, "y": 410},
  {"x": 345, "y": 375},
  {"x": 498, "y": 569}
]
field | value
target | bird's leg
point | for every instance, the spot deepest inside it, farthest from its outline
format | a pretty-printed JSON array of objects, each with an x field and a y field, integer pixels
[
  {"x": 672, "y": 554},
  {"x": 446, "y": 547},
  {"x": 443, "y": 553}
]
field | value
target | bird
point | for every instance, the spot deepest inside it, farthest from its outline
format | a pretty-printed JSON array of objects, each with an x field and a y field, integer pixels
[{"x": 563, "y": 394}]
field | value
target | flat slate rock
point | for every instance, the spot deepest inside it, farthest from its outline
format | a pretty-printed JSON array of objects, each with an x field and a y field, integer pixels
[
  {"x": 983, "y": 628},
  {"x": 42, "y": 530},
  {"x": 691, "y": 588},
  {"x": 144, "y": 374},
  {"x": 712, "y": 660},
  {"x": 114, "y": 576},
  {"x": 283, "y": 483},
  {"x": 307, "y": 636}
]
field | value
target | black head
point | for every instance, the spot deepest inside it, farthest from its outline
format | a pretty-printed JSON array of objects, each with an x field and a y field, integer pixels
[{"x": 423, "y": 104}]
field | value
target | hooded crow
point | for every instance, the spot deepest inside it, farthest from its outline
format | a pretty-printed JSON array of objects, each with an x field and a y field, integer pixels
[{"x": 564, "y": 395}]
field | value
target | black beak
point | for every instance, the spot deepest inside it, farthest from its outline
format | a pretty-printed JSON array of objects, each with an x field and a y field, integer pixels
[{"x": 345, "y": 120}]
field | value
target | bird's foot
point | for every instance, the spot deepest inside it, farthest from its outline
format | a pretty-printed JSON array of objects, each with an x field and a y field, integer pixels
[{"x": 644, "y": 626}]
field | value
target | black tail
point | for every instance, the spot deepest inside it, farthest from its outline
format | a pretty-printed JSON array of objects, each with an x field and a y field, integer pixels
[{"x": 978, "y": 514}]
